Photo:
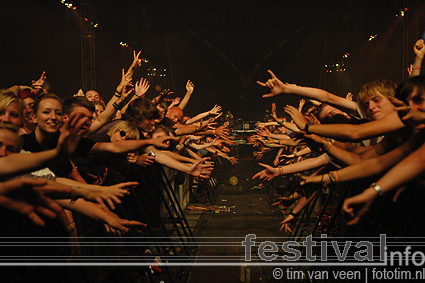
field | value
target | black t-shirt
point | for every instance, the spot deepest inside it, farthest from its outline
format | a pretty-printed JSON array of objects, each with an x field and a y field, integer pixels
[{"x": 62, "y": 167}]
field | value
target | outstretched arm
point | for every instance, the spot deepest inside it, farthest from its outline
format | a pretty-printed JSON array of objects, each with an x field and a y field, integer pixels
[
  {"x": 278, "y": 87},
  {"x": 369, "y": 167}
]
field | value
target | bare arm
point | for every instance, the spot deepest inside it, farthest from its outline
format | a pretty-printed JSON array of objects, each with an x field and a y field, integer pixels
[
  {"x": 347, "y": 132},
  {"x": 189, "y": 88}
]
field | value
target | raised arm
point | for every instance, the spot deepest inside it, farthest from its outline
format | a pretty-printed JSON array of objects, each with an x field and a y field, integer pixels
[
  {"x": 278, "y": 87},
  {"x": 189, "y": 90},
  {"x": 419, "y": 50}
]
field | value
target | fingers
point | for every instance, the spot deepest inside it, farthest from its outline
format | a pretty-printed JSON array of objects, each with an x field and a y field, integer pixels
[{"x": 272, "y": 74}]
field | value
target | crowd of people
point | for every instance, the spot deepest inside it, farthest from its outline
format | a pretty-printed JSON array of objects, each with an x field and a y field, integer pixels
[
  {"x": 76, "y": 156},
  {"x": 73, "y": 156},
  {"x": 380, "y": 136}
]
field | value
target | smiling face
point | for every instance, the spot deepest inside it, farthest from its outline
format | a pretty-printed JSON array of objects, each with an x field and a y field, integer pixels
[
  {"x": 49, "y": 115},
  {"x": 12, "y": 114},
  {"x": 28, "y": 112}
]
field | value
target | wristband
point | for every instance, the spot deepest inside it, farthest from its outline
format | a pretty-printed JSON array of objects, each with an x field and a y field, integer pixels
[
  {"x": 331, "y": 177},
  {"x": 377, "y": 188},
  {"x": 307, "y": 125},
  {"x": 328, "y": 147},
  {"x": 117, "y": 94},
  {"x": 280, "y": 170},
  {"x": 70, "y": 228},
  {"x": 116, "y": 106}
]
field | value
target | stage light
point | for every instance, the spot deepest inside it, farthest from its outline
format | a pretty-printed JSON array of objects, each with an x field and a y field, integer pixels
[
  {"x": 96, "y": 25},
  {"x": 75, "y": 8},
  {"x": 402, "y": 13}
]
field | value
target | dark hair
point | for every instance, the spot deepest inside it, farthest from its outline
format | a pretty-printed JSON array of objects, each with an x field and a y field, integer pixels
[
  {"x": 46, "y": 96},
  {"x": 140, "y": 109},
  {"x": 336, "y": 119},
  {"x": 408, "y": 86},
  {"x": 70, "y": 103}
]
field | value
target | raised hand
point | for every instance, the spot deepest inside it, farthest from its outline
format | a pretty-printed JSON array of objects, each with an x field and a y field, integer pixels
[
  {"x": 297, "y": 116},
  {"x": 141, "y": 87},
  {"x": 222, "y": 131},
  {"x": 175, "y": 102},
  {"x": 264, "y": 132},
  {"x": 137, "y": 62},
  {"x": 201, "y": 169},
  {"x": 268, "y": 174},
  {"x": 274, "y": 84},
  {"x": 215, "y": 110},
  {"x": 190, "y": 86},
  {"x": 233, "y": 160},
  {"x": 71, "y": 132},
  {"x": 419, "y": 48},
  {"x": 39, "y": 84}
]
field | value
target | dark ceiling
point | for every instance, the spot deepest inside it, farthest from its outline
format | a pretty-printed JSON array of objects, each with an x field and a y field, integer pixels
[{"x": 224, "y": 47}]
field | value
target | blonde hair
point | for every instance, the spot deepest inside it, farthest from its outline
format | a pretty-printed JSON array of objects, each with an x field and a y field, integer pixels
[
  {"x": 7, "y": 98},
  {"x": 385, "y": 87},
  {"x": 131, "y": 131}
]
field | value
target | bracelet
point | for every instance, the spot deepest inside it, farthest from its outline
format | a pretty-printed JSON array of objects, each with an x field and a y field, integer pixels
[
  {"x": 328, "y": 147},
  {"x": 417, "y": 67},
  {"x": 336, "y": 176},
  {"x": 331, "y": 177},
  {"x": 307, "y": 125},
  {"x": 280, "y": 170},
  {"x": 281, "y": 122},
  {"x": 74, "y": 196},
  {"x": 117, "y": 94},
  {"x": 70, "y": 228},
  {"x": 378, "y": 189},
  {"x": 116, "y": 106}
]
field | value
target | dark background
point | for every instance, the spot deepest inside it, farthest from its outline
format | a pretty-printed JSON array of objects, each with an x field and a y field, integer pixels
[{"x": 223, "y": 47}]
